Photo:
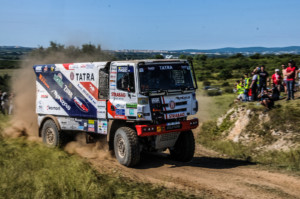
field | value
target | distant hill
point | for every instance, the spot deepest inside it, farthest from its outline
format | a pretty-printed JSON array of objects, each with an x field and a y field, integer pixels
[{"x": 246, "y": 50}]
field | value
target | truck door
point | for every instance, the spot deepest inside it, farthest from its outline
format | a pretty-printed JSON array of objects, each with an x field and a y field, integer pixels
[{"x": 122, "y": 102}]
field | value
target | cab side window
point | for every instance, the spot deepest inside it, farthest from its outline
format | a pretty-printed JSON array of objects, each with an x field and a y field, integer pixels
[{"x": 125, "y": 79}]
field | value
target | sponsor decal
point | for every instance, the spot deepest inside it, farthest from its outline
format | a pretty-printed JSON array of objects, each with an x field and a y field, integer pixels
[
  {"x": 85, "y": 77},
  {"x": 40, "y": 106},
  {"x": 44, "y": 96},
  {"x": 68, "y": 91},
  {"x": 131, "y": 105},
  {"x": 155, "y": 100},
  {"x": 102, "y": 127},
  {"x": 82, "y": 66},
  {"x": 91, "y": 129},
  {"x": 112, "y": 85},
  {"x": 80, "y": 105},
  {"x": 114, "y": 94},
  {"x": 112, "y": 80},
  {"x": 120, "y": 106},
  {"x": 122, "y": 69},
  {"x": 183, "y": 97},
  {"x": 141, "y": 70},
  {"x": 113, "y": 72},
  {"x": 86, "y": 92},
  {"x": 93, "y": 90},
  {"x": 80, "y": 128},
  {"x": 131, "y": 111},
  {"x": 72, "y": 76},
  {"x": 45, "y": 68},
  {"x": 172, "y": 104},
  {"x": 89, "y": 66},
  {"x": 171, "y": 116},
  {"x": 185, "y": 67},
  {"x": 112, "y": 76},
  {"x": 91, "y": 121},
  {"x": 151, "y": 68},
  {"x": 61, "y": 100},
  {"x": 166, "y": 67},
  {"x": 42, "y": 78},
  {"x": 58, "y": 79},
  {"x": 120, "y": 117},
  {"x": 52, "y": 68},
  {"x": 120, "y": 111},
  {"x": 38, "y": 69},
  {"x": 53, "y": 108},
  {"x": 91, "y": 126}
]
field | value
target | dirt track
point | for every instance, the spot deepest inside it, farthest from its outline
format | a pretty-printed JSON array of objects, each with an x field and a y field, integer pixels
[{"x": 207, "y": 175}]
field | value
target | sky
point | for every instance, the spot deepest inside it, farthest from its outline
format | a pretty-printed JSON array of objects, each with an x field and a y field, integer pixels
[{"x": 151, "y": 24}]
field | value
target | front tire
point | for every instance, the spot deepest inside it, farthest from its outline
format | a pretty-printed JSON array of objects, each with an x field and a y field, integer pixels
[
  {"x": 184, "y": 147},
  {"x": 51, "y": 135},
  {"x": 126, "y": 147}
]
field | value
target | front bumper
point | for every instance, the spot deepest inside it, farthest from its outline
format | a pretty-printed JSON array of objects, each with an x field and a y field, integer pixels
[{"x": 149, "y": 130}]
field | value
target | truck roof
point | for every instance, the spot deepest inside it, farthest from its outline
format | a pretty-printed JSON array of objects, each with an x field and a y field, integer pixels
[{"x": 125, "y": 61}]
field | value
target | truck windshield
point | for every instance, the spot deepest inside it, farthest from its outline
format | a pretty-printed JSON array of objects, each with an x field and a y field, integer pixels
[{"x": 165, "y": 77}]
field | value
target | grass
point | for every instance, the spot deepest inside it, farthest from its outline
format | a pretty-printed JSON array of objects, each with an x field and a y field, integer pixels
[
  {"x": 32, "y": 170},
  {"x": 212, "y": 107}
]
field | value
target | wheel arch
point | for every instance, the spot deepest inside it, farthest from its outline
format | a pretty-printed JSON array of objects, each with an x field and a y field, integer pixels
[{"x": 48, "y": 117}]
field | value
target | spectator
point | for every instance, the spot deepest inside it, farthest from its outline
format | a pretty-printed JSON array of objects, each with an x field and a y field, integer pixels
[
  {"x": 276, "y": 80},
  {"x": 4, "y": 103},
  {"x": 254, "y": 86},
  {"x": 275, "y": 93},
  {"x": 11, "y": 104},
  {"x": 284, "y": 78},
  {"x": 266, "y": 99},
  {"x": 246, "y": 87},
  {"x": 240, "y": 90},
  {"x": 263, "y": 78},
  {"x": 290, "y": 73}
]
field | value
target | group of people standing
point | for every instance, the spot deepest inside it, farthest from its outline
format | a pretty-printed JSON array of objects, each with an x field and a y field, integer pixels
[{"x": 255, "y": 88}]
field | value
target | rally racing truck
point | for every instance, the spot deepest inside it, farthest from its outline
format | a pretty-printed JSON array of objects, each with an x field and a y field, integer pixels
[{"x": 142, "y": 105}]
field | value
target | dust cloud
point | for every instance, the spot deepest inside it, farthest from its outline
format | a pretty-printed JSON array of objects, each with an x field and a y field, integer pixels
[{"x": 24, "y": 120}]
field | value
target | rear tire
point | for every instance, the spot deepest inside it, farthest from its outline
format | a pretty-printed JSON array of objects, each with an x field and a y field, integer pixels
[
  {"x": 51, "y": 135},
  {"x": 184, "y": 147},
  {"x": 126, "y": 147}
]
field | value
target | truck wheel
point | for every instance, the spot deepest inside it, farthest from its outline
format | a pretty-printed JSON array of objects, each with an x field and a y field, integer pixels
[
  {"x": 126, "y": 146},
  {"x": 184, "y": 147},
  {"x": 50, "y": 134}
]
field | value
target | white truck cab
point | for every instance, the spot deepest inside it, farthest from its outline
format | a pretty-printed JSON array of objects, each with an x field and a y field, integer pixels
[{"x": 139, "y": 105}]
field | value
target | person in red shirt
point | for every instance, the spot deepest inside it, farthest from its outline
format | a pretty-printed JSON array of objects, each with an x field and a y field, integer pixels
[
  {"x": 276, "y": 79},
  {"x": 290, "y": 73}
]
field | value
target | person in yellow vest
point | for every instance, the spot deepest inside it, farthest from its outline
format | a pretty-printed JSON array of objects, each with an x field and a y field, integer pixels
[
  {"x": 246, "y": 87},
  {"x": 240, "y": 90}
]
